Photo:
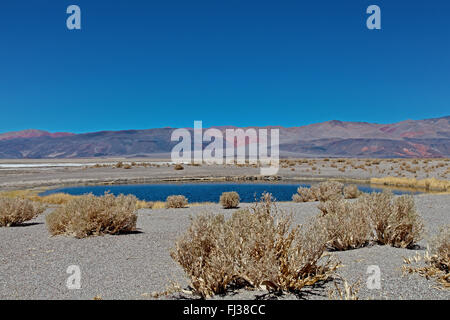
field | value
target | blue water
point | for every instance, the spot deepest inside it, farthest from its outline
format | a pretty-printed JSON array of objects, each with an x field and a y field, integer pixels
[{"x": 201, "y": 192}]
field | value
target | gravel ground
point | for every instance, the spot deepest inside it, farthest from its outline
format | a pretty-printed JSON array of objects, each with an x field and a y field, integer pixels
[
  {"x": 33, "y": 265},
  {"x": 315, "y": 169}
]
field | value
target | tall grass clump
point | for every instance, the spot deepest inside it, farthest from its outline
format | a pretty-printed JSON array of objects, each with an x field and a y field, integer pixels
[
  {"x": 230, "y": 200},
  {"x": 178, "y": 201},
  {"x": 256, "y": 248},
  {"x": 15, "y": 211},
  {"x": 89, "y": 215}
]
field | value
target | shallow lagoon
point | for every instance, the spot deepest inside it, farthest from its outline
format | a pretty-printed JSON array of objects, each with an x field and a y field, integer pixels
[{"x": 203, "y": 192}]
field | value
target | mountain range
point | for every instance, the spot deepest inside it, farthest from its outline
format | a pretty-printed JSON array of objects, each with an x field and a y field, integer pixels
[{"x": 428, "y": 138}]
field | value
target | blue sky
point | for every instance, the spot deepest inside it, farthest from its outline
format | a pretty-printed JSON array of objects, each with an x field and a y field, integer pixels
[{"x": 144, "y": 64}]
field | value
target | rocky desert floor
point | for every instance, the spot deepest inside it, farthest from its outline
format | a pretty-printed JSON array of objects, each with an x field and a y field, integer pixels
[{"x": 33, "y": 264}]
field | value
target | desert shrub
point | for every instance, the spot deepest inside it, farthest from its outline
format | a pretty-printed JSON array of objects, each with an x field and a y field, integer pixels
[
  {"x": 394, "y": 220},
  {"x": 324, "y": 191},
  {"x": 176, "y": 201},
  {"x": 89, "y": 215},
  {"x": 257, "y": 247},
  {"x": 329, "y": 190},
  {"x": 178, "y": 167},
  {"x": 437, "y": 259},
  {"x": 15, "y": 211},
  {"x": 345, "y": 291},
  {"x": 119, "y": 164},
  {"x": 230, "y": 199},
  {"x": 297, "y": 198},
  {"x": 351, "y": 192},
  {"x": 375, "y": 217},
  {"x": 440, "y": 250},
  {"x": 440, "y": 245},
  {"x": 346, "y": 224},
  {"x": 304, "y": 195}
]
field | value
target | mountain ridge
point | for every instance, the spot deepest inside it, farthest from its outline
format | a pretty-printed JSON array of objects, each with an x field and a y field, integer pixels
[{"x": 334, "y": 138}]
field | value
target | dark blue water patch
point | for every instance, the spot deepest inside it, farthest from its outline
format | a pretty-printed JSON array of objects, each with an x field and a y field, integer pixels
[{"x": 201, "y": 192}]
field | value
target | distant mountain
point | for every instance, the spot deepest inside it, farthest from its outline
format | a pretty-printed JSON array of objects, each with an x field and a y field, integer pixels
[
  {"x": 32, "y": 133},
  {"x": 410, "y": 138}
]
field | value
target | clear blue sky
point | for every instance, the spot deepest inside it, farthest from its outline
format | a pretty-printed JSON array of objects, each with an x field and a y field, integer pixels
[{"x": 144, "y": 64}]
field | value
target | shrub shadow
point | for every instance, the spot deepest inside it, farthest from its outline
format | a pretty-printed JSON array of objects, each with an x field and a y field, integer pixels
[
  {"x": 26, "y": 224},
  {"x": 317, "y": 290},
  {"x": 130, "y": 232}
]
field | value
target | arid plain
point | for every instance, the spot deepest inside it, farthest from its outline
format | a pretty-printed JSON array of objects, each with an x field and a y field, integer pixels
[{"x": 138, "y": 264}]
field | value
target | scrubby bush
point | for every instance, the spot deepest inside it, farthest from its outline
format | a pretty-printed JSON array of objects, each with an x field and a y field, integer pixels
[
  {"x": 394, "y": 220},
  {"x": 375, "y": 217},
  {"x": 178, "y": 167},
  {"x": 344, "y": 290},
  {"x": 257, "y": 247},
  {"x": 176, "y": 201},
  {"x": 329, "y": 190},
  {"x": 324, "y": 191},
  {"x": 297, "y": 198},
  {"x": 351, "y": 192},
  {"x": 230, "y": 199},
  {"x": 119, "y": 164},
  {"x": 346, "y": 224},
  {"x": 15, "y": 211},
  {"x": 89, "y": 215},
  {"x": 437, "y": 259},
  {"x": 304, "y": 195},
  {"x": 440, "y": 250}
]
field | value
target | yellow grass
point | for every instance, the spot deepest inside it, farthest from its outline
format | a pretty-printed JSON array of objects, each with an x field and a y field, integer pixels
[
  {"x": 431, "y": 184},
  {"x": 141, "y": 204},
  {"x": 17, "y": 193},
  {"x": 57, "y": 198},
  {"x": 159, "y": 205}
]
